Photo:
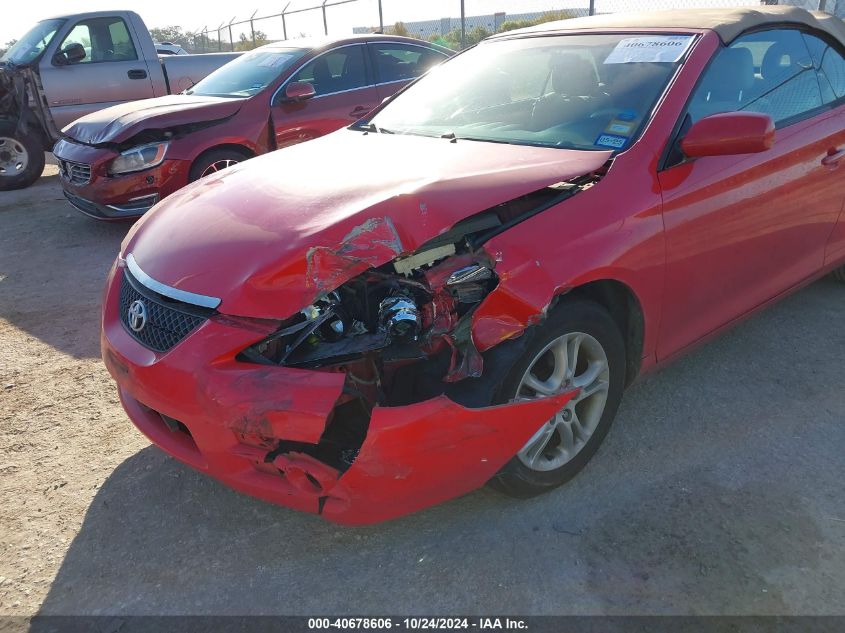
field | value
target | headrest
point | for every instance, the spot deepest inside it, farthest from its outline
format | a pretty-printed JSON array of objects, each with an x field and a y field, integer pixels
[
  {"x": 777, "y": 61},
  {"x": 574, "y": 76},
  {"x": 731, "y": 73}
]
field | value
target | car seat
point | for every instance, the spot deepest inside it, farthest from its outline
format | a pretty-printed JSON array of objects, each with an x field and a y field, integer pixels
[
  {"x": 727, "y": 84},
  {"x": 575, "y": 93}
]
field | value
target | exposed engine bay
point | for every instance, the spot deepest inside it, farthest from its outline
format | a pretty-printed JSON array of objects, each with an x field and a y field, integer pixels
[{"x": 387, "y": 319}]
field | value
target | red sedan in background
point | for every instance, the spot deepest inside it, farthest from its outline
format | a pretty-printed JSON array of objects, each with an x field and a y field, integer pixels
[
  {"x": 463, "y": 289},
  {"x": 118, "y": 162}
]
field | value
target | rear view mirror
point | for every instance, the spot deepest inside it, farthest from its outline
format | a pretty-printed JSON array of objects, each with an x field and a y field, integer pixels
[
  {"x": 729, "y": 133},
  {"x": 299, "y": 91},
  {"x": 73, "y": 53}
]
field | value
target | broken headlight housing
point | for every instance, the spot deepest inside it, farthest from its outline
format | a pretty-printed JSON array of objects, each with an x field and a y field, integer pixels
[
  {"x": 399, "y": 316},
  {"x": 138, "y": 158}
]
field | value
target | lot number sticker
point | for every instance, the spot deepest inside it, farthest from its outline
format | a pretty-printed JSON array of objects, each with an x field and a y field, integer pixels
[{"x": 654, "y": 48}]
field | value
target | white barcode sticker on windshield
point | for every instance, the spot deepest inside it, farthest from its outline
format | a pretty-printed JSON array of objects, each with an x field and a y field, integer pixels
[{"x": 652, "y": 48}]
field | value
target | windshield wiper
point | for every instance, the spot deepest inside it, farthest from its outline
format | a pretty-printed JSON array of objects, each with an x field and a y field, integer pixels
[{"x": 372, "y": 127}]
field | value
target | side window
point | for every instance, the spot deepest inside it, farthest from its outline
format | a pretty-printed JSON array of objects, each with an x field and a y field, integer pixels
[
  {"x": 104, "y": 40},
  {"x": 336, "y": 71},
  {"x": 769, "y": 72},
  {"x": 400, "y": 62},
  {"x": 830, "y": 66}
]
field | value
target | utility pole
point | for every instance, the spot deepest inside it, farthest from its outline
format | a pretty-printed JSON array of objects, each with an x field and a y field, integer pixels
[
  {"x": 593, "y": 7},
  {"x": 252, "y": 27},
  {"x": 463, "y": 26},
  {"x": 325, "y": 22},
  {"x": 381, "y": 18},
  {"x": 231, "y": 41},
  {"x": 284, "y": 22}
]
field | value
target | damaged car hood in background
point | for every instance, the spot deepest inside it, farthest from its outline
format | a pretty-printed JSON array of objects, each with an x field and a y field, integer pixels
[
  {"x": 121, "y": 122},
  {"x": 271, "y": 234}
]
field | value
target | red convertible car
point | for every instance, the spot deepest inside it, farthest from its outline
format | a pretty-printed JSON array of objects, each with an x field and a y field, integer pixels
[
  {"x": 117, "y": 163},
  {"x": 462, "y": 289}
]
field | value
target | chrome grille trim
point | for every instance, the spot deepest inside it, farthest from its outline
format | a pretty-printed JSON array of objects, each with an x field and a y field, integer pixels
[{"x": 184, "y": 296}]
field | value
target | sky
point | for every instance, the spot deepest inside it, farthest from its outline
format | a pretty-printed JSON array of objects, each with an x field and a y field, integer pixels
[{"x": 194, "y": 15}]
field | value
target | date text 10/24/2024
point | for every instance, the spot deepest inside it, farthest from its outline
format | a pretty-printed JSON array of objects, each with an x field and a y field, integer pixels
[{"x": 418, "y": 623}]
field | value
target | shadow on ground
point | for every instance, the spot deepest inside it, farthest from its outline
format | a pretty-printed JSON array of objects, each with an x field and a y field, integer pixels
[
  {"x": 54, "y": 261},
  {"x": 719, "y": 490}
]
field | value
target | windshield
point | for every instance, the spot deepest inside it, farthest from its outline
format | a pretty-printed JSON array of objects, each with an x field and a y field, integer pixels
[
  {"x": 247, "y": 75},
  {"x": 30, "y": 46},
  {"x": 590, "y": 92}
]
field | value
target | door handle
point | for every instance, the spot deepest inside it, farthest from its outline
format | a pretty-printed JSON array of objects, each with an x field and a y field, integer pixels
[
  {"x": 360, "y": 111},
  {"x": 137, "y": 74},
  {"x": 833, "y": 157}
]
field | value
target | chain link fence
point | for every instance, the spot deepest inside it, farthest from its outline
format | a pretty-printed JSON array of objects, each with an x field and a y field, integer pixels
[{"x": 452, "y": 23}]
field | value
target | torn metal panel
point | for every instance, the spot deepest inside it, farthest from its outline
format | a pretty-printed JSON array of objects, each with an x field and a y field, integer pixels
[
  {"x": 423, "y": 454},
  {"x": 365, "y": 246},
  {"x": 503, "y": 315}
]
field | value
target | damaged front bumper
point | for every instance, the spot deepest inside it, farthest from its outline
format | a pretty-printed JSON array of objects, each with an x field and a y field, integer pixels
[
  {"x": 87, "y": 185},
  {"x": 251, "y": 426}
]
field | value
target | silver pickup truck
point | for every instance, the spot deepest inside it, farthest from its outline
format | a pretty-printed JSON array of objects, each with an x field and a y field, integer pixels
[{"x": 68, "y": 66}]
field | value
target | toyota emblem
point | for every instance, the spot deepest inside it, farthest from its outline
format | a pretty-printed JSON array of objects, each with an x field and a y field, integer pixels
[{"x": 137, "y": 315}]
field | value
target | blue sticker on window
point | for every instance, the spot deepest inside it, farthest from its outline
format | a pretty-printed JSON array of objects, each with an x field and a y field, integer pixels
[
  {"x": 627, "y": 115},
  {"x": 611, "y": 140}
]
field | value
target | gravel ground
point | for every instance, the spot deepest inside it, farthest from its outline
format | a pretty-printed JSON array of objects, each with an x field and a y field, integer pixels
[{"x": 718, "y": 491}]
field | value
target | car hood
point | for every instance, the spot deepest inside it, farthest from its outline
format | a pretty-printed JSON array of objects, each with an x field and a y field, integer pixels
[
  {"x": 270, "y": 235},
  {"x": 121, "y": 122}
]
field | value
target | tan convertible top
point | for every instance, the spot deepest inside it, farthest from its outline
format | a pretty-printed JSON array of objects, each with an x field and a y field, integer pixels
[{"x": 727, "y": 23}]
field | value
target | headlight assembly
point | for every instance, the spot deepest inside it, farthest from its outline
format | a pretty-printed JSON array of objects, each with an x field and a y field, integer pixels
[{"x": 138, "y": 158}]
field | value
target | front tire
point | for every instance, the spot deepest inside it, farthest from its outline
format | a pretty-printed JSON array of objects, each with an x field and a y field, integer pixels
[
  {"x": 578, "y": 345},
  {"x": 21, "y": 157}
]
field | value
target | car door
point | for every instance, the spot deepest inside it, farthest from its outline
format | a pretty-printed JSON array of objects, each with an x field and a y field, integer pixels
[
  {"x": 111, "y": 72},
  {"x": 396, "y": 64},
  {"x": 742, "y": 229},
  {"x": 829, "y": 59},
  {"x": 344, "y": 92}
]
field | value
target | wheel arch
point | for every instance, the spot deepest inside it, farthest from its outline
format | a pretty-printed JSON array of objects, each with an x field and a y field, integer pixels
[
  {"x": 237, "y": 147},
  {"x": 245, "y": 150},
  {"x": 625, "y": 308}
]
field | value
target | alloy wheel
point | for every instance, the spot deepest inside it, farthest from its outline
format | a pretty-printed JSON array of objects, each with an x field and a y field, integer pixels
[
  {"x": 218, "y": 165},
  {"x": 574, "y": 360}
]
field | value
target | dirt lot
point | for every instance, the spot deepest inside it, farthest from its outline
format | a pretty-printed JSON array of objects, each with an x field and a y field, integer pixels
[{"x": 719, "y": 490}]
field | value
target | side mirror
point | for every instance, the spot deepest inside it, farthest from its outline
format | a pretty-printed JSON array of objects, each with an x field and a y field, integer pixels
[
  {"x": 729, "y": 133},
  {"x": 73, "y": 53},
  {"x": 299, "y": 91}
]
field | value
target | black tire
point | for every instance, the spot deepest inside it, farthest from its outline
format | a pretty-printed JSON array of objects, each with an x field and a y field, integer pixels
[
  {"x": 211, "y": 157},
  {"x": 14, "y": 145},
  {"x": 839, "y": 274},
  {"x": 505, "y": 366}
]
